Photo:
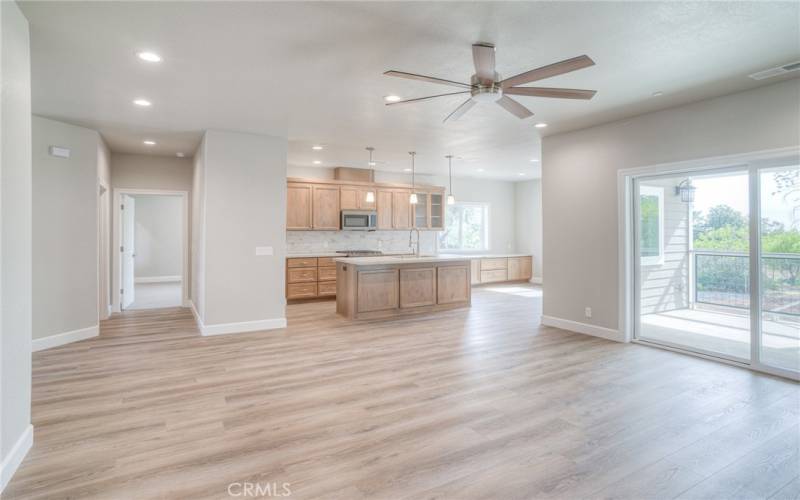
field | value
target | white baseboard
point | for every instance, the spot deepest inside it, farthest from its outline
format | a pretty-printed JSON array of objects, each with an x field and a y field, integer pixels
[
  {"x": 64, "y": 338},
  {"x": 536, "y": 281},
  {"x": 158, "y": 279},
  {"x": 15, "y": 457},
  {"x": 245, "y": 326},
  {"x": 585, "y": 328}
]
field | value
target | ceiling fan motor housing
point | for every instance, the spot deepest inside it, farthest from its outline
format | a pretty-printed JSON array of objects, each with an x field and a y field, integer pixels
[{"x": 486, "y": 91}]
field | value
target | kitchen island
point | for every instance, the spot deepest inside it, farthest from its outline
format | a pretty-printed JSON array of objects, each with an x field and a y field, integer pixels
[{"x": 382, "y": 287}]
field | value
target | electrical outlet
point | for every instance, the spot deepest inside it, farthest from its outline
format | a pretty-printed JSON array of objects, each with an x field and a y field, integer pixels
[{"x": 588, "y": 312}]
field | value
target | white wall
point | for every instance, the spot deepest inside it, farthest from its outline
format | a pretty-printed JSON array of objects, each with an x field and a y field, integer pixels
[
  {"x": 579, "y": 183},
  {"x": 16, "y": 432},
  {"x": 528, "y": 217},
  {"x": 65, "y": 249},
  {"x": 499, "y": 195},
  {"x": 243, "y": 182},
  {"x": 157, "y": 236},
  {"x": 104, "y": 227}
]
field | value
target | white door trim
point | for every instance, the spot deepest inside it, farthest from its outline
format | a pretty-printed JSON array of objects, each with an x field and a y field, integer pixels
[
  {"x": 117, "y": 218},
  {"x": 625, "y": 225}
]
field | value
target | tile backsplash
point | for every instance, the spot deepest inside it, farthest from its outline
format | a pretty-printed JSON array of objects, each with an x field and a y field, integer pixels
[{"x": 331, "y": 241}]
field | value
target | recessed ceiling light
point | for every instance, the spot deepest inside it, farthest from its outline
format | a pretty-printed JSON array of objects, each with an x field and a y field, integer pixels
[
  {"x": 540, "y": 125},
  {"x": 149, "y": 56},
  {"x": 391, "y": 98},
  {"x": 658, "y": 94},
  {"x": 316, "y": 147},
  {"x": 150, "y": 143},
  {"x": 317, "y": 162},
  {"x": 406, "y": 170},
  {"x": 480, "y": 170},
  {"x": 179, "y": 155},
  {"x": 534, "y": 160},
  {"x": 142, "y": 102},
  {"x": 521, "y": 173}
]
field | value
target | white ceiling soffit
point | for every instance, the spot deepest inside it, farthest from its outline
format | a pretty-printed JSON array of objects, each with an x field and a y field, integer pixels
[{"x": 313, "y": 72}]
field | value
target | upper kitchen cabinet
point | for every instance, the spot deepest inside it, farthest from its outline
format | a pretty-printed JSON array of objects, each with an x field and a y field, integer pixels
[
  {"x": 355, "y": 198},
  {"x": 421, "y": 211},
  {"x": 437, "y": 211},
  {"x": 298, "y": 206},
  {"x": 325, "y": 202},
  {"x": 384, "y": 197},
  {"x": 401, "y": 209}
]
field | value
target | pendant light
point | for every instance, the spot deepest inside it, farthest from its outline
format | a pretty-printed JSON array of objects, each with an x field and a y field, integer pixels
[
  {"x": 413, "y": 198},
  {"x": 450, "y": 198},
  {"x": 370, "y": 197}
]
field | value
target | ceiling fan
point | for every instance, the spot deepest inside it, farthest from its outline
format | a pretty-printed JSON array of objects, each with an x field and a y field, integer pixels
[{"x": 486, "y": 85}]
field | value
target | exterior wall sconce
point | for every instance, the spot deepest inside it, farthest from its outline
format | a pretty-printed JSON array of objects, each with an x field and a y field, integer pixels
[{"x": 686, "y": 191}]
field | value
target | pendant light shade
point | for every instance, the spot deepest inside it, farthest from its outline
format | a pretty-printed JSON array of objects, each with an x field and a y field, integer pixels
[
  {"x": 370, "y": 197},
  {"x": 451, "y": 199},
  {"x": 413, "y": 198}
]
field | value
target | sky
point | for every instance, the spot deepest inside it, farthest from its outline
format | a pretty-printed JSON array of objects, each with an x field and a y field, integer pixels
[{"x": 731, "y": 190}]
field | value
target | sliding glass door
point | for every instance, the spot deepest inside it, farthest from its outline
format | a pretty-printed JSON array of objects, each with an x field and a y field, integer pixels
[{"x": 716, "y": 265}]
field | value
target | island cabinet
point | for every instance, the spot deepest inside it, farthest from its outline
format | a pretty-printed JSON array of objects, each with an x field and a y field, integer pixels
[{"x": 396, "y": 286}]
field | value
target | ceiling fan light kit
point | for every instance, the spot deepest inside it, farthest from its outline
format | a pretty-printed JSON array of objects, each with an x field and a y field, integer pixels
[{"x": 487, "y": 86}]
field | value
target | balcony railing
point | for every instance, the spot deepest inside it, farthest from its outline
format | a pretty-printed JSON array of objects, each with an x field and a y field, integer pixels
[{"x": 723, "y": 279}]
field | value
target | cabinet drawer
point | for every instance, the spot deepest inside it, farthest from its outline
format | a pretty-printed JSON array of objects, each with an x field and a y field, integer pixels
[
  {"x": 302, "y": 262},
  {"x": 302, "y": 275},
  {"x": 326, "y": 288},
  {"x": 327, "y": 273},
  {"x": 301, "y": 290},
  {"x": 492, "y": 264},
  {"x": 494, "y": 276},
  {"x": 326, "y": 261}
]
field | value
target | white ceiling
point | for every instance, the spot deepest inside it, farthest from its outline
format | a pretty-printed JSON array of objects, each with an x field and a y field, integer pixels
[{"x": 312, "y": 72}]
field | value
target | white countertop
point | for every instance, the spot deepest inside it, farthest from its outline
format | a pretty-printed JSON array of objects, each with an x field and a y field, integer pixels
[
  {"x": 407, "y": 259},
  {"x": 448, "y": 255}
]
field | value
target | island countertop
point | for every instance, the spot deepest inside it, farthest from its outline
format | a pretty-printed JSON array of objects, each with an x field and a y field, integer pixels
[{"x": 399, "y": 259}]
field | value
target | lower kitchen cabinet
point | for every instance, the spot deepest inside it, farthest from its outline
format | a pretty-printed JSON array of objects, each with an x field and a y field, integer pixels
[
  {"x": 310, "y": 277},
  {"x": 501, "y": 269}
]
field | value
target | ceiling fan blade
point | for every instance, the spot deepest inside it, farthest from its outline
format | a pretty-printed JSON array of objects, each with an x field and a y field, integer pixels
[
  {"x": 551, "y": 92},
  {"x": 554, "y": 69},
  {"x": 459, "y": 111},
  {"x": 483, "y": 56},
  {"x": 431, "y": 79},
  {"x": 426, "y": 98},
  {"x": 514, "y": 107}
]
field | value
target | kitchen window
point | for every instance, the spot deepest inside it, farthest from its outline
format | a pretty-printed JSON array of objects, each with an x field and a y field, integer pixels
[{"x": 466, "y": 228}]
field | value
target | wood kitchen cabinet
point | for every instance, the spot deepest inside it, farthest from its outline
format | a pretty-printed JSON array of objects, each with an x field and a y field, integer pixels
[
  {"x": 421, "y": 211},
  {"x": 355, "y": 198},
  {"x": 499, "y": 269},
  {"x": 310, "y": 277},
  {"x": 325, "y": 203},
  {"x": 401, "y": 209},
  {"x": 298, "y": 206},
  {"x": 519, "y": 268},
  {"x": 385, "y": 201},
  {"x": 436, "y": 211}
]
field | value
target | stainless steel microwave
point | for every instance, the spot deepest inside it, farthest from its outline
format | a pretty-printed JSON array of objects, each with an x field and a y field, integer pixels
[{"x": 359, "y": 220}]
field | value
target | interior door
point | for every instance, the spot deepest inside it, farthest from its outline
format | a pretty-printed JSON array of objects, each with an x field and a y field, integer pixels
[{"x": 128, "y": 250}]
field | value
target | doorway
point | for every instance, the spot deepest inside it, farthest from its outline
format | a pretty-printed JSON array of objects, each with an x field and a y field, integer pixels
[
  {"x": 713, "y": 261},
  {"x": 151, "y": 239}
]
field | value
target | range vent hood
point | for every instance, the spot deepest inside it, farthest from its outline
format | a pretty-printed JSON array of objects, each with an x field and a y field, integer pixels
[{"x": 354, "y": 174}]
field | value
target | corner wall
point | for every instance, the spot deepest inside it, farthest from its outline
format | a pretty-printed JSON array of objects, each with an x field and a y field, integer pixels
[
  {"x": 16, "y": 431},
  {"x": 579, "y": 185},
  {"x": 242, "y": 178},
  {"x": 65, "y": 232},
  {"x": 528, "y": 208}
]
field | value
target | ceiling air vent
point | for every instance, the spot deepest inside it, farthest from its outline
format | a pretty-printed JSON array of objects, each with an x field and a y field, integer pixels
[{"x": 780, "y": 70}]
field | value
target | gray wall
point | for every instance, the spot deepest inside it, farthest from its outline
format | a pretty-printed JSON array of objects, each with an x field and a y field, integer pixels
[
  {"x": 528, "y": 207},
  {"x": 65, "y": 250},
  {"x": 158, "y": 235},
  {"x": 198, "y": 249},
  {"x": 105, "y": 199},
  {"x": 15, "y": 235},
  {"x": 244, "y": 183},
  {"x": 579, "y": 183}
]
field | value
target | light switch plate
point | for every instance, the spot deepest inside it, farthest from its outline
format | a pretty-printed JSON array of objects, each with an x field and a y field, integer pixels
[
  {"x": 264, "y": 251},
  {"x": 59, "y": 152}
]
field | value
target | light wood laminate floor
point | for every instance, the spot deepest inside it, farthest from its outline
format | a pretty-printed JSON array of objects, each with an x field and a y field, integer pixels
[{"x": 477, "y": 403}]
